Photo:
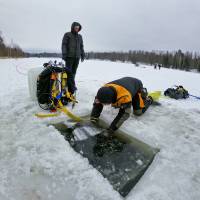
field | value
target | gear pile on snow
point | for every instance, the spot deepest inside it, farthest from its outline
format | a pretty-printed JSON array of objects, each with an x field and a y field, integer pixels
[{"x": 178, "y": 92}]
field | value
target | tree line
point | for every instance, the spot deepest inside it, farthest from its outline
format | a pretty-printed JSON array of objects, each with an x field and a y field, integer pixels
[
  {"x": 44, "y": 55},
  {"x": 177, "y": 59},
  {"x": 10, "y": 51}
]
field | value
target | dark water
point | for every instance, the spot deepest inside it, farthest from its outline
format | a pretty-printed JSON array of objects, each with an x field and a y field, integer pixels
[{"x": 117, "y": 159}]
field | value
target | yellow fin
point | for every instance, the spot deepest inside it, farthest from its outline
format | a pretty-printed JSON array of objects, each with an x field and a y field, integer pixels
[{"x": 155, "y": 95}]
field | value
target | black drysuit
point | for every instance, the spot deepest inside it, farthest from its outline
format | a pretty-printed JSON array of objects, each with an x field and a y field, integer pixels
[{"x": 134, "y": 87}]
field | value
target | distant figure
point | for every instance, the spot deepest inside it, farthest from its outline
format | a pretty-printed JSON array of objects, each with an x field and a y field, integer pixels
[
  {"x": 73, "y": 51},
  {"x": 123, "y": 93},
  {"x": 155, "y": 66},
  {"x": 159, "y": 66}
]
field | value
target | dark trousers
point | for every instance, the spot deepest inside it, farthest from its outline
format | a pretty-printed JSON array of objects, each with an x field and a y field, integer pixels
[{"x": 71, "y": 65}]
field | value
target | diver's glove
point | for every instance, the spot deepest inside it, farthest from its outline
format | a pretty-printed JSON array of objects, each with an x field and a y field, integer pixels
[{"x": 110, "y": 131}]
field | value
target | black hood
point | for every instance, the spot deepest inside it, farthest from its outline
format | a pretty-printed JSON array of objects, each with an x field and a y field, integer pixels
[
  {"x": 106, "y": 95},
  {"x": 75, "y": 24}
]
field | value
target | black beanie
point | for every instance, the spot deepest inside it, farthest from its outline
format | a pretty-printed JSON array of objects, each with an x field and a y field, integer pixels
[{"x": 105, "y": 95}]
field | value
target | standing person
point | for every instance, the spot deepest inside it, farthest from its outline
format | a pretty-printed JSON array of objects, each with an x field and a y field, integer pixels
[
  {"x": 123, "y": 93},
  {"x": 72, "y": 52}
]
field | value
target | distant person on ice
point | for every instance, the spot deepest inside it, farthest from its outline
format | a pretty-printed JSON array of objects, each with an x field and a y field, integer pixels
[
  {"x": 123, "y": 93},
  {"x": 72, "y": 52}
]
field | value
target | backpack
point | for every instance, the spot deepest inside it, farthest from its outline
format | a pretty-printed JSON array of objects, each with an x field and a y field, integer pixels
[
  {"x": 178, "y": 92},
  {"x": 45, "y": 82}
]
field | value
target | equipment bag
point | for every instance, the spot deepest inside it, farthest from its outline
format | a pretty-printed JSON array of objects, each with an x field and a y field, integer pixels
[
  {"x": 178, "y": 92},
  {"x": 52, "y": 86},
  {"x": 48, "y": 85}
]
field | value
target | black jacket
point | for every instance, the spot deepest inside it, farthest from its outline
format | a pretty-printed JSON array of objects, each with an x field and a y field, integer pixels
[{"x": 72, "y": 44}]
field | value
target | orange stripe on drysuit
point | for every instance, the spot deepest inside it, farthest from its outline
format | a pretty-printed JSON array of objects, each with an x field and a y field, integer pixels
[
  {"x": 123, "y": 95},
  {"x": 141, "y": 101}
]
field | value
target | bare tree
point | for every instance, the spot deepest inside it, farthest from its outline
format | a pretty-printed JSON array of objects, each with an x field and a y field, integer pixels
[{"x": 10, "y": 51}]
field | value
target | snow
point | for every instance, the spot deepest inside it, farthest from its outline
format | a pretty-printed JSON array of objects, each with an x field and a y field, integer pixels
[{"x": 37, "y": 163}]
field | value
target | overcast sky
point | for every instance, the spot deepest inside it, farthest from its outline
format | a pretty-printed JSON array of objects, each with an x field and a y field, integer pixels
[{"x": 108, "y": 25}]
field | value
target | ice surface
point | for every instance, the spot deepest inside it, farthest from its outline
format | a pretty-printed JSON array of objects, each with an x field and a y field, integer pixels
[{"x": 36, "y": 163}]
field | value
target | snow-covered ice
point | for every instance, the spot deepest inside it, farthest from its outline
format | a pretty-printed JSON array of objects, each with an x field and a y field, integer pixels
[{"x": 37, "y": 163}]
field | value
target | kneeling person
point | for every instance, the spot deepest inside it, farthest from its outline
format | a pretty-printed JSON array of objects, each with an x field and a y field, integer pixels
[{"x": 122, "y": 93}]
